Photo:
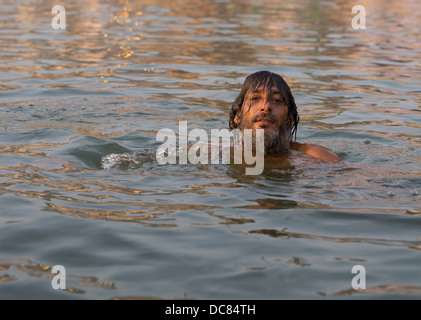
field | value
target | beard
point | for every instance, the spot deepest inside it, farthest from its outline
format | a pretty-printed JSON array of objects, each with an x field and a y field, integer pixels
[{"x": 276, "y": 140}]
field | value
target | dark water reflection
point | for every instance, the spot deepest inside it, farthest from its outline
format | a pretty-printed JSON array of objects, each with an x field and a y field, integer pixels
[{"x": 123, "y": 70}]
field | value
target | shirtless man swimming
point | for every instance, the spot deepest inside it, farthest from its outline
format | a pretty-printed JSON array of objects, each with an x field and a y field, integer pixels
[{"x": 266, "y": 102}]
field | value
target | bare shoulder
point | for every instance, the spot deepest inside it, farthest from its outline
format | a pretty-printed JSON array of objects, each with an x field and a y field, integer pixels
[{"x": 316, "y": 151}]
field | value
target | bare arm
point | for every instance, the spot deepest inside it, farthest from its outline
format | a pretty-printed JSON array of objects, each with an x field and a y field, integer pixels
[{"x": 316, "y": 151}]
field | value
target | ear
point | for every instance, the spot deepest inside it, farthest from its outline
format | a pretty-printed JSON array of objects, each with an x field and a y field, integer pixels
[
  {"x": 291, "y": 120},
  {"x": 237, "y": 119}
]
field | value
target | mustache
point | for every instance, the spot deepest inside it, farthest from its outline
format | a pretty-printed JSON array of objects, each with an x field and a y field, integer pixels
[{"x": 264, "y": 116}]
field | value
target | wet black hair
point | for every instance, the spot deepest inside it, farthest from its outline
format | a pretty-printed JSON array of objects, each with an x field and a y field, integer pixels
[{"x": 267, "y": 79}]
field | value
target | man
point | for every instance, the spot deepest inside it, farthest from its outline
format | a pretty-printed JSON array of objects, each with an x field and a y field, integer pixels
[{"x": 266, "y": 102}]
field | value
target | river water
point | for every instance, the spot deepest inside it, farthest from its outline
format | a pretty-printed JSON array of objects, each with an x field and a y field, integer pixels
[{"x": 123, "y": 70}]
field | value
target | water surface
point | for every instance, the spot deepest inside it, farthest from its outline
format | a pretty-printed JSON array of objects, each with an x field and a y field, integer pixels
[{"x": 121, "y": 71}]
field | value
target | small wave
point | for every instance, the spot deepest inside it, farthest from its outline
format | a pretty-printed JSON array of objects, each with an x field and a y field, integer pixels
[
  {"x": 133, "y": 160},
  {"x": 125, "y": 160}
]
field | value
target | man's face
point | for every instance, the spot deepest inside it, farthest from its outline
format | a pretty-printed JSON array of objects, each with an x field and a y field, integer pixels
[{"x": 265, "y": 109}]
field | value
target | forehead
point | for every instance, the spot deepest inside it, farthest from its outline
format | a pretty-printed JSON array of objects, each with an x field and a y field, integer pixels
[{"x": 264, "y": 89}]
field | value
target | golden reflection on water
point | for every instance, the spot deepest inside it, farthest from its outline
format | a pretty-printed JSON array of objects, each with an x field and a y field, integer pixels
[
  {"x": 118, "y": 40},
  {"x": 285, "y": 235},
  {"x": 397, "y": 288},
  {"x": 369, "y": 191},
  {"x": 107, "y": 46},
  {"x": 11, "y": 269},
  {"x": 27, "y": 149}
]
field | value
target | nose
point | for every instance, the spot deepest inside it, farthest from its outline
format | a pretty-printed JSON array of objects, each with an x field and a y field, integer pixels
[{"x": 265, "y": 105}]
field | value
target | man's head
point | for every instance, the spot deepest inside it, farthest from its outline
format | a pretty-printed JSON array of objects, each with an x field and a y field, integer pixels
[{"x": 265, "y": 102}]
